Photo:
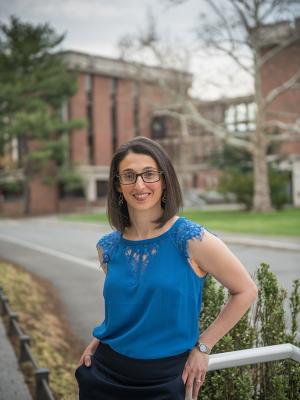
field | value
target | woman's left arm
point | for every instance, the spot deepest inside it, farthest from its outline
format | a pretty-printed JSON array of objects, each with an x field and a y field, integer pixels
[{"x": 215, "y": 258}]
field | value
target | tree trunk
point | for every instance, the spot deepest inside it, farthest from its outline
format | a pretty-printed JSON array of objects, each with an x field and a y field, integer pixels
[
  {"x": 261, "y": 196},
  {"x": 26, "y": 196},
  {"x": 26, "y": 175}
]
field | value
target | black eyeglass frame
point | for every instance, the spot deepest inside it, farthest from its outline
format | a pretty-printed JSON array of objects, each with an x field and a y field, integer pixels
[{"x": 141, "y": 175}]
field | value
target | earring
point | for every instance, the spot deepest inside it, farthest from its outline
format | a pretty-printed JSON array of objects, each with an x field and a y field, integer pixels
[
  {"x": 121, "y": 199},
  {"x": 164, "y": 197}
]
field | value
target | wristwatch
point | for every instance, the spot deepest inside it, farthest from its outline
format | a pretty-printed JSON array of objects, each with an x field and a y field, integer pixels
[{"x": 203, "y": 348}]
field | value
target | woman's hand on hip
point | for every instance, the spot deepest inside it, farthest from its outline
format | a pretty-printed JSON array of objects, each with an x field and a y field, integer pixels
[
  {"x": 194, "y": 372},
  {"x": 85, "y": 358},
  {"x": 88, "y": 352}
]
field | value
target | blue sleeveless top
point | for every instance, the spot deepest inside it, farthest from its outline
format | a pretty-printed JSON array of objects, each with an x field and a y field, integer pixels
[{"x": 152, "y": 294}]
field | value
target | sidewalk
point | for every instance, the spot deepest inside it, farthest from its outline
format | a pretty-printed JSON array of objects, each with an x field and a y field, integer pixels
[
  {"x": 274, "y": 242},
  {"x": 12, "y": 384},
  {"x": 247, "y": 239}
]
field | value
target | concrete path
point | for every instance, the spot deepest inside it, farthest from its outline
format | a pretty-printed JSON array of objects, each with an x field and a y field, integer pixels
[
  {"x": 12, "y": 384},
  {"x": 270, "y": 242}
]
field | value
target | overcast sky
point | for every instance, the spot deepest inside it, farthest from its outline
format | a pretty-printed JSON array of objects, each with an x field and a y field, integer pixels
[{"x": 95, "y": 26}]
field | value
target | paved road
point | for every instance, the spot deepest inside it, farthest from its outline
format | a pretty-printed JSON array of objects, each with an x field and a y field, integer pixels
[
  {"x": 284, "y": 263},
  {"x": 64, "y": 253}
]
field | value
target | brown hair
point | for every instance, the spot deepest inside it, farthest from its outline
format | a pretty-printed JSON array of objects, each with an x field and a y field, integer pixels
[{"x": 118, "y": 215}]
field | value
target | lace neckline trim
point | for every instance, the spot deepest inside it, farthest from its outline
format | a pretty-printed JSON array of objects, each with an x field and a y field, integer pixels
[{"x": 155, "y": 238}]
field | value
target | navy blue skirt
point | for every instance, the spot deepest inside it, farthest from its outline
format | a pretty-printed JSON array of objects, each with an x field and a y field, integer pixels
[{"x": 113, "y": 376}]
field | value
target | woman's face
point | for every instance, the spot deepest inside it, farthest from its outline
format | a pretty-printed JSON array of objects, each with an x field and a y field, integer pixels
[{"x": 141, "y": 195}]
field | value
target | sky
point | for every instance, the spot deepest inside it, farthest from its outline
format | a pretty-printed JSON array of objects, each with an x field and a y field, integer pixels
[{"x": 95, "y": 26}]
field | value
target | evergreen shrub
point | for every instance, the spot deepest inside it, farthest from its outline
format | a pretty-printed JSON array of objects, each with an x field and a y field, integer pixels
[
  {"x": 11, "y": 189},
  {"x": 240, "y": 183},
  {"x": 267, "y": 323}
]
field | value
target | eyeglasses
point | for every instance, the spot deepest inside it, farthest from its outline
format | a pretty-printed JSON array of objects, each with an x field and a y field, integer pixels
[{"x": 130, "y": 177}]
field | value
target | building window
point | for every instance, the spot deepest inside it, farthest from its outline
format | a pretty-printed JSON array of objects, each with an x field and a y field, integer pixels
[
  {"x": 114, "y": 113},
  {"x": 89, "y": 114},
  {"x": 195, "y": 180},
  {"x": 240, "y": 117},
  {"x": 158, "y": 128},
  {"x": 102, "y": 188},
  {"x": 65, "y": 111},
  {"x": 136, "y": 108},
  {"x": 22, "y": 150}
]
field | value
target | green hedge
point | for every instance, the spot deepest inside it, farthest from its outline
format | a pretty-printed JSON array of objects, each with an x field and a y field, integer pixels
[
  {"x": 241, "y": 185},
  {"x": 264, "y": 325},
  {"x": 11, "y": 189}
]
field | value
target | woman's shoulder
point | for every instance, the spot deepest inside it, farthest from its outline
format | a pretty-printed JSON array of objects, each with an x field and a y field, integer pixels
[
  {"x": 107, "y": 243},
  {"x": 185, "y": 230},
  {"x": 109, "y": 239}
]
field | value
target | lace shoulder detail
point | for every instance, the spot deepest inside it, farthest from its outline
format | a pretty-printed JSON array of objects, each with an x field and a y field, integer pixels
[
  {"x": 107, "y": 244},
  {"x": 185, "y": 231}
]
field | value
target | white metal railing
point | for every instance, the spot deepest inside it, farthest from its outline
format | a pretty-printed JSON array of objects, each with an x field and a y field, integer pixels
[{"x": 253, "y": 356}]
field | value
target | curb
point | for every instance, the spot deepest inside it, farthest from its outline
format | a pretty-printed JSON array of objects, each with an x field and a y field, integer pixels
[{"x": 266, "y": 243}]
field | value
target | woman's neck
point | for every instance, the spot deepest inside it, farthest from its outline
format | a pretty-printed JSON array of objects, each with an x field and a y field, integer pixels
[{"x": 142, "y": 226}]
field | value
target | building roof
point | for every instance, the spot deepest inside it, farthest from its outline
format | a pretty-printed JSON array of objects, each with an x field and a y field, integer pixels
[
  {"x": 118, "y": 68},
  {"x": 275, "y": 33}
]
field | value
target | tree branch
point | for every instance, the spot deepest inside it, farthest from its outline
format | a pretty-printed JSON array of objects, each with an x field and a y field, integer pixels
[
  {"x": 271, "y": 53},
  {"x": 235, "y": 58},
  {"x": 216, "y": 129},
  {"x": 274, "y": 4},
  {"x": 284, "y": 137},
  {"x": 283, "y": 126},
  {"x": 193, "y": 115},
  {"x": 223, "y": 19},
  {"x": 273, "y": 94},
  {"x": 245, "y": 4},
  {"x": 242, "y": 16}
]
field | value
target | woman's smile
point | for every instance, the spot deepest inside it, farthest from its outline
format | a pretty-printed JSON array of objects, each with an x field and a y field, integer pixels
[{"x": 141, "y": 196}]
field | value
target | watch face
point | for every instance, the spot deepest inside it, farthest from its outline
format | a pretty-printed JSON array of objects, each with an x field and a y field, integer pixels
[{"x": 203, "y": 348}]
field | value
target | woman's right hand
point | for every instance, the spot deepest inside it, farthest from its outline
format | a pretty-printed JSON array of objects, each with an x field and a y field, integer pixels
[{"x": 88, "y": 352}]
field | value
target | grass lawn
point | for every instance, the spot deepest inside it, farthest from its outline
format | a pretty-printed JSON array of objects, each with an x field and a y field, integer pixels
[{"x": 280, "y": 223}]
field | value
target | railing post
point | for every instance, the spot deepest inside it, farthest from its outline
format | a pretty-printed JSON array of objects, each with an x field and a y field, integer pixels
[
  {"x": 43, "y": 391},
  {"x": 24, "y": 341},
  {"x": 40, "y": 375},
  {"x": 12, "y": 318},
  {"x": 3, "y": 304}
]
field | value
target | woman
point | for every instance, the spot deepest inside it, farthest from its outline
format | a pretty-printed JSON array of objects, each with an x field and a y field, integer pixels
[{"x": 148, "y": 346}]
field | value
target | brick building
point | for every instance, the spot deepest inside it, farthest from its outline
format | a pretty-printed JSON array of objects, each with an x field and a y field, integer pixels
[
  {"x": 118, "y": 101},
  {"x": 285, "y": 107},
  {"x": 192, "y": 151}
]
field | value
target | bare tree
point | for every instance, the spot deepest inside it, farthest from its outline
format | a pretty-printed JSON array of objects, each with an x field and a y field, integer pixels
[{"x": 241, "y": 30}]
